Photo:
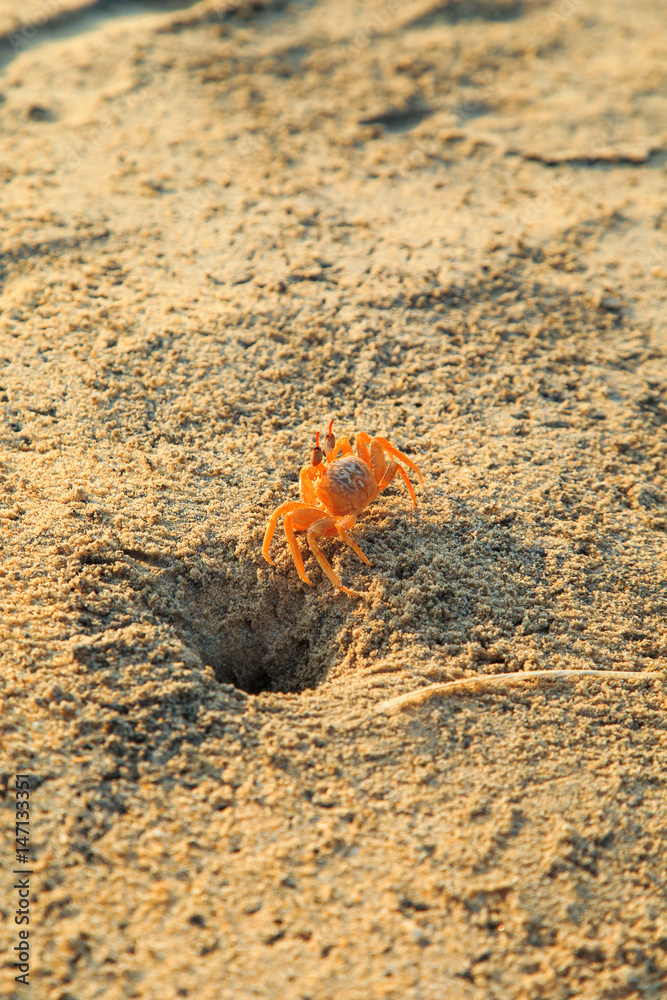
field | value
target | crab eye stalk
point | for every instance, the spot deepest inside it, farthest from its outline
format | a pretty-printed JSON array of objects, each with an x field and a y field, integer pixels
[
  {"x": 317, "y": 455},
  {"x": 330, "y": 440}
]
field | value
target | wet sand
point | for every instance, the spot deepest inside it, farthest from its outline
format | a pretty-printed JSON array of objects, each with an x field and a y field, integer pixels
[{"x": 442, "y": 223}]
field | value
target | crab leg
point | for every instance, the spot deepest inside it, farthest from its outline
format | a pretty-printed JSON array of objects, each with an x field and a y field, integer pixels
[
  {"x": 346, "y": 446},
  {"x": 309, "y": 519},
  {"x": 402, "y": 473},
  {"x": 395, "y": 453},
  {"x": 383, "y": 473},
  {"x": 343, "y": 524},
  {"x": 388, "y": 475},
  {"x": 343, "y": 446},
  {"x": 284, "y": 508},
  {"x": 322, "y": 528},
  {"x": 288, "y": 524},
  {"x": 362, "y": 441},
  {"x": 375, "y": 459},
  {"x": 392, "y": 469}
]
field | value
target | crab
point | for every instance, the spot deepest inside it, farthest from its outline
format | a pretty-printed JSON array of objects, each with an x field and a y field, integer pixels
[{"x": 334, "y": 491}]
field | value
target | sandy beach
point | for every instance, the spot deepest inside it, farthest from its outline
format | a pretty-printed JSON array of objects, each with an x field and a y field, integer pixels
[{"x": 223, "y": 226}]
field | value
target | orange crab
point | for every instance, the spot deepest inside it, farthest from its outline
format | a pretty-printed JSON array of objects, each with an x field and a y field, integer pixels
[{"x": 334, "y": 491}]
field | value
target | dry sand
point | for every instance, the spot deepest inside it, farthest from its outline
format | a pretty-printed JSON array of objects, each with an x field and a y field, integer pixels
[{"x": 440, "y": 222}]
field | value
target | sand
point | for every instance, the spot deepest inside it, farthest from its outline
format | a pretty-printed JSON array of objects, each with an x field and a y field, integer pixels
[{"x": 222, "y": 227}]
